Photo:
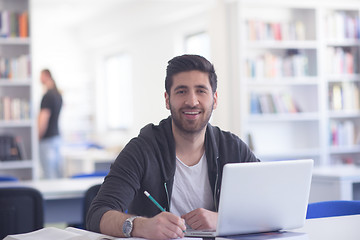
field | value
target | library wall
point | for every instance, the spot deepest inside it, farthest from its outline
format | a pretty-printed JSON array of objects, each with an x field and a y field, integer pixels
[
  {"x": 56, "y": 48},
  {"x": 150, "y": 49}
]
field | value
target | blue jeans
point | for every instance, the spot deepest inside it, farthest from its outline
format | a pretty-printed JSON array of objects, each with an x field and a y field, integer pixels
[{"x": 50, "y": 157}]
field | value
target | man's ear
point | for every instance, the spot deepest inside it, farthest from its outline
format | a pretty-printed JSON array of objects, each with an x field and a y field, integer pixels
[
  {"x": 167, "y": 100},
  {"x": 215, "y": 100}
]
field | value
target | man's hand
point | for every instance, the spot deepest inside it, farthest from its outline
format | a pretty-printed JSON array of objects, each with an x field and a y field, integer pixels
[
  {"x": 163, "y": 226},
  {"x": 201, "y": 219}
]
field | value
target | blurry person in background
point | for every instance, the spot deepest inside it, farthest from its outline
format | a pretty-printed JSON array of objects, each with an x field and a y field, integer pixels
[{"x": 49, "y": 135}]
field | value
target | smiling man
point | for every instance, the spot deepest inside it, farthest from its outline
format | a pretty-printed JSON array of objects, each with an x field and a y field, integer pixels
[{"x": 179, "y": 162}]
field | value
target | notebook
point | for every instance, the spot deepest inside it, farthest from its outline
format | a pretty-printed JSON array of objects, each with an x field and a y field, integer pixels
[{"x": 262, "y": 197}]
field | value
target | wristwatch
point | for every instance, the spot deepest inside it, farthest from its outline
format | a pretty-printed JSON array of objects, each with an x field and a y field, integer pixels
[{"x": 128, "y": 226}]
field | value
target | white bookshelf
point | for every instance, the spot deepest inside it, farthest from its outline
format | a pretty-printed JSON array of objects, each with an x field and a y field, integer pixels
[
  {"x": 264, "y": 48},
  {"x": 16, "y": 86},
  {"x": 348, "y": 114}
]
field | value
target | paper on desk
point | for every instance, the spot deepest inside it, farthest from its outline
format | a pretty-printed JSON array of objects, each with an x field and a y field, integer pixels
[
  {"x": 70, "y": 233},
  {"x": 46, "y": 234},
  {"x": 98, "y": 236},
  {"x": 88, "y": 235}
]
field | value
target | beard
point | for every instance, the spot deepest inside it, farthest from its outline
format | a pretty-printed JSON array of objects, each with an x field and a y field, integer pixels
[{"x": 191, "y": 126}]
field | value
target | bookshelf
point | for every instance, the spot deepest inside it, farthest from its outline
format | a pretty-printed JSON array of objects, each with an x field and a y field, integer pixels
[
  {"x": 299, "y": 79},
  {"x": 342, "y": 47},
  {"x": 16, "y": 98}
]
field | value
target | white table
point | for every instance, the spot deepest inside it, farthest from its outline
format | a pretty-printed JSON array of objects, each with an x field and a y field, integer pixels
[
  {"x": 78, "y": 160},
  {"x": 63, "y": 198},
  {"x": 332, "y": 228},
  {"x": 335, "y": 183}
]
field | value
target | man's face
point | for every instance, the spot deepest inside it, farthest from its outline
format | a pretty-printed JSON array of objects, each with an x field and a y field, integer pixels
[{"x": 191, "y": 101}]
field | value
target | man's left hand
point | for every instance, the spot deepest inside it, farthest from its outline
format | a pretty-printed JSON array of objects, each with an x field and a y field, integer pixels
[{"x": 201, "y": 219}]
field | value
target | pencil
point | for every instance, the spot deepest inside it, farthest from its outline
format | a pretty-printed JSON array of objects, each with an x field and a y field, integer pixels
[{"x": 154, "y": 201}]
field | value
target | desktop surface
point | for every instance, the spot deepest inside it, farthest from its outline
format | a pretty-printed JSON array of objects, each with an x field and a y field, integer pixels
[{"x": 331, "y": 228}]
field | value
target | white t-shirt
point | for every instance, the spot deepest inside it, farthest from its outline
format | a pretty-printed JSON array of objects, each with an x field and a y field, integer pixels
[{"x": 191, "y": 189}]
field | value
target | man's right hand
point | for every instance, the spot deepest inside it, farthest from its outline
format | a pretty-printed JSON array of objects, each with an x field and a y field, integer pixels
[{"x": 165, "y": 225}]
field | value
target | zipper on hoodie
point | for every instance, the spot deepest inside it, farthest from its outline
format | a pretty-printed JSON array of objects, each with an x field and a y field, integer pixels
[
  {"x": 167, "y": 195},
  {"x": 215, "y": 188}
]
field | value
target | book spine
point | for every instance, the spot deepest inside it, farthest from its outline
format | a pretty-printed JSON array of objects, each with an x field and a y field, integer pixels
[
  {"x": 15, "y": 68},
  {"x": 344, "y": 96},
  {"x": 23, "y": 25},
  {"x": 14, "y": 109},
  {"x": 342, "y": 133},
  {"x": 14, "y": 24},
  {"x": 257, "y": 30},
  {"x": 270, "y": 65},
  {"x": 272, "y": 103}
]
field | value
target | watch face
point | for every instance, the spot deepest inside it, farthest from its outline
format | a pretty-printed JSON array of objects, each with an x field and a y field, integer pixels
[{"x": 127, "y": 227}]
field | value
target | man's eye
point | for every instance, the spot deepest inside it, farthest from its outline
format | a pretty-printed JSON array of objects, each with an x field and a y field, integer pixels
[{"x": 180, "y": 92}]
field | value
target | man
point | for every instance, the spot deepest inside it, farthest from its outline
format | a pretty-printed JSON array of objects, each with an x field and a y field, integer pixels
[{"x": 179, "y": 162}]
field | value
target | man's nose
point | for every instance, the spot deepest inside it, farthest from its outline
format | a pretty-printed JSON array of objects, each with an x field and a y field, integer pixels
[{"x": 192, "y": 99}]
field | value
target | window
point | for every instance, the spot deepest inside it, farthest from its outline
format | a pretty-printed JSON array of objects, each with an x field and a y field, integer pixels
[
  {"x": 198, "y": 43},
  {"x": 118, "y": 92}
]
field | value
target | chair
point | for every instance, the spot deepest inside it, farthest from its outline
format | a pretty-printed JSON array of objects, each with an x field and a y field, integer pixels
[
  {"x": 90, "y": 194},
  {"x": 332, "y": 209},
  {"x": 21, "y": 210},
  {"x": 8, "y": 179}
]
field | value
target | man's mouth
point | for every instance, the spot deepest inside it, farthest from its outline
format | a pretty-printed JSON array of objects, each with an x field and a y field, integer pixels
[{"x": 191, "y": 112}]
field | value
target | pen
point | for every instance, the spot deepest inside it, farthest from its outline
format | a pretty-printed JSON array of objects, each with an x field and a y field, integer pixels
[{"x": 154, "y": 201}]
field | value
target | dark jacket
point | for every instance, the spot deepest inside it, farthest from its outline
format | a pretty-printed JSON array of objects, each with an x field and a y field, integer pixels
[{"x": 148, "y": 162}]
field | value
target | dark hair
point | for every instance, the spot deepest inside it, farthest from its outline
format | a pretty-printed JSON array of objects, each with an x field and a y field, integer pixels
[
  {"x": 47, "y": 72},
  {"x": 187, "y": 63}
]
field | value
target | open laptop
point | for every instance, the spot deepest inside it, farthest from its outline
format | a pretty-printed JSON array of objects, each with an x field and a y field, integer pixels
[{"x": 262, "y": 197}]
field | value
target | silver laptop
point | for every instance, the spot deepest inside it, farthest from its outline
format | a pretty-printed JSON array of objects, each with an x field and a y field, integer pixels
[{"x": 262, "y": 197}]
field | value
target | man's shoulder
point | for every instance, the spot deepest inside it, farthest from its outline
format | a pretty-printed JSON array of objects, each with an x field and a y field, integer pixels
[
  {"x": 151, "y": 129},
  {"x": 222, "y": 135}
]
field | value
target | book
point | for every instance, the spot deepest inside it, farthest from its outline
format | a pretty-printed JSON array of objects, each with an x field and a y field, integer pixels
[
  {"x": 23, "y": 25},
  {"x": 14, "y": 109},
  {"x": 69, "y": 233},
  {"x": 53, "y": 233}
]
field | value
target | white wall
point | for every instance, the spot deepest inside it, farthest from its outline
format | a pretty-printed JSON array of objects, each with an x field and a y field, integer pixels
[
  {"x": 150, "y": 49},
  {"x": 74, "y": 53}
]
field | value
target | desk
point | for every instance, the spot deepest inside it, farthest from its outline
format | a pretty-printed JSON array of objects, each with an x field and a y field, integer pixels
[
  {"x": 78, "y": 160},
  {"x": 335, "y": 183},
  {"x": 63, "y": 198},
  {"x": 333, "y": 228}
]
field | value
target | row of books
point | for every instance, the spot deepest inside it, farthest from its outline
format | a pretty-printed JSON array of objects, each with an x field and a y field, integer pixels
[
  {"x": 342, "y": 133},
  {"x": 14, "y": 109},
  {"x": 258, "y": 30},
  {"x": 10, "y": 148},
  {"x": 14, "y": 24},
  {"x": 15, "y": 68},
  {"x": 267, "y": 103},
  {"x": 342, "y": 60},
  {"x": 344, "y": 96},
  {"x": 293, "y": 64},
  {"x": 341, "y": 25}
]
